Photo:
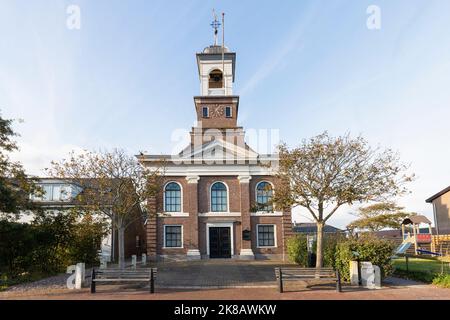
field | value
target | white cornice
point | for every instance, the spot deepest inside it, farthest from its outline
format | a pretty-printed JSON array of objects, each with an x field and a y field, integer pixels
[
  {"x": 173, "y": 214},
  {"x": 219, "y": 214},
  {"x": 267, "y": 214},
  {"x": 214, "y": 170}
]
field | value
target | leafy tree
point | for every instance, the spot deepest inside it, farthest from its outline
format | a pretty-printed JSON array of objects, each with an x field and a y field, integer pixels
[
  {"x": 379, "y": 216},
  {"x": 15, "y": 185},
  {"x": 113, "y": 184},
  {"x": 87, "y": 238},
  {"x": 325, "y": 172}
]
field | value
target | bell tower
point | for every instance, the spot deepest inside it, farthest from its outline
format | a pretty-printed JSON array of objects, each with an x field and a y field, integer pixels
[
  {"x": 216, "y": 71},
  {"x": 216, "y": 106}
]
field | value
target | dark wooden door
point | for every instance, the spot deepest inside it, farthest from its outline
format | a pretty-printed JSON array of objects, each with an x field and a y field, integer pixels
[{"x": 219, "y": 242}]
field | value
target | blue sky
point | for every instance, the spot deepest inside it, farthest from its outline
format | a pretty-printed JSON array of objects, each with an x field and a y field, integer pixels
[{"x": 127, "y": 77}]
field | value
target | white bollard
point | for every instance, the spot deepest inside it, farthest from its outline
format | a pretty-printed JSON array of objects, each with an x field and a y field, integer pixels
[
  {"x": 103, "y": 263},
  {"x": 71, "y": 280},
  {"x": 83, "y": 274},
  {"x": 377, "y": 277},
  {"x": 367, "y": 275},
  {"x": 354, "y": 281},
  {"x": 79, "y": 275},
  {"x": 144, "y": 259},
  {"x": 133, "y": 261}
]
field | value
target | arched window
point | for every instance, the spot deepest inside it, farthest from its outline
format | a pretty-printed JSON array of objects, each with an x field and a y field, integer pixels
[
  {"x": 215, "y": 79},
  {"x": 172, "y": 197},
  {"x": 264, "y": 194},
  {"x": 219, "y": 197}
]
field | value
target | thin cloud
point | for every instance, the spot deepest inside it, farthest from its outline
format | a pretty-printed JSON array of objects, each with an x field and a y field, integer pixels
[{"x": 278, "y": 57}]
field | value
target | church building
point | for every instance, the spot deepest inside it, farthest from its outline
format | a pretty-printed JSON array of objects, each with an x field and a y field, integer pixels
[{"x": 216, "y": 198}]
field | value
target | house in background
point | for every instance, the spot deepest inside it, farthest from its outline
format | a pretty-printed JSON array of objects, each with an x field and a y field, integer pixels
[
  {"x": 59, "y": 195},
  {"x": 441, "y": 210},
  {"x": 310, "y": 228}
]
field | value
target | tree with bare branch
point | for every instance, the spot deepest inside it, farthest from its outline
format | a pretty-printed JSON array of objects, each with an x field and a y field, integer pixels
[
  {"x": 114, "y": 184},
  {"x": 325, "y": 173}
]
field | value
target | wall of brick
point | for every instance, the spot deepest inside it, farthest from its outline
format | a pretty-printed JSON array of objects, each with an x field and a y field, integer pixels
[
  {"x": 279, "y": 234},
  {"x": 204, "y": 186},
  {"x": 185, "y": 193},
  {"x": 155, "y": 229},
  {"x": 160, "y": 235}
]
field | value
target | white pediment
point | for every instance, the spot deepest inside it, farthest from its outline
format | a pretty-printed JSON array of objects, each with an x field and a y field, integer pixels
[{"x": 219, "y": 149}]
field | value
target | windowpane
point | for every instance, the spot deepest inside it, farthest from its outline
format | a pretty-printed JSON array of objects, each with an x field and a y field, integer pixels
[
  {"x": 219, "y": 197},
  {"x": 205, "y": 112},
  {"x": 173, "y": 237},
  {"x": 172, "y": 197},
  {"x": 56, "y": 194},
  {"x": 266, "y": 236},
  {"x": 264, "y": 194},
  {"x": 47, "y": 196},
  {"x": 228, "y": 112}
]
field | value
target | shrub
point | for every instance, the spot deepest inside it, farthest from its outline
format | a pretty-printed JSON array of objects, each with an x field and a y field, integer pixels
[
  {"x": 330, "y": 243},
  {"x": 47, "y": 246},
  {"x": 87, "y": 240},
  {"x": 442, "y": 280},
  {"x": 17, "y": 241},
  {"x": 297, "y": 249},
  {"x": 298, "y": 253},
  {"x": 377, "y": 251}
]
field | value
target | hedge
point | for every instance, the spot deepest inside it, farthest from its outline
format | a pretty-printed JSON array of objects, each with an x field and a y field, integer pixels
[
  {"x": 377, "y": 251},
  {"x": 338, "y": 252}
]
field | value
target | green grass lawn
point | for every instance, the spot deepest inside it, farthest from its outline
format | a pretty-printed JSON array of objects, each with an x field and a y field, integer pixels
[
  {"x": 422, "y": 265},
  {"x": 425, "y": 270}
]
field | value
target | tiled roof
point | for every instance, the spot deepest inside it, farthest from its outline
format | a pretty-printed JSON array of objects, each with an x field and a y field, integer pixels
[{"x": 312, "y": 228}]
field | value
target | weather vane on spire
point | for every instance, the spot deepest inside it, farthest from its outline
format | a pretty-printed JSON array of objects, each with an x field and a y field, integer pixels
[{"x": 215, "y": 24}]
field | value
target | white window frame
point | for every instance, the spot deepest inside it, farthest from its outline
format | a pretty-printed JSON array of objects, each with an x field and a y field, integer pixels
[
  {"x": 51, "y": 195},
  {"x": 210, "y": 198},
  {"x": 274, "y": 235},
  {"x": 181, "y": 200},
  {"x": 231, "y": 112},
  {"x": 182, "y": 236},
  {"x": 207, "y": 112},
  {"x": 256, "y": 197}
]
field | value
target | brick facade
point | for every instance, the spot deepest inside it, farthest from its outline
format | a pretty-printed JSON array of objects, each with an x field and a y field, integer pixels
[{"x": 196, "y": 211}]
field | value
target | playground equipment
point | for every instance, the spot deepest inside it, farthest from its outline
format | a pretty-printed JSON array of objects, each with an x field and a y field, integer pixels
[{"x": 411, "y": 235}]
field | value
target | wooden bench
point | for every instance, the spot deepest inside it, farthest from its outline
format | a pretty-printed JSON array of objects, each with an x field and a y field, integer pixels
[
  {"x": 298, "y": 274},
  {"x": 123, "y": 275}
]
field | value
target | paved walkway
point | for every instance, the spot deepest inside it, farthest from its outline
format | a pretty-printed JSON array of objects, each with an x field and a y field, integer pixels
[
  {"x": 217, "y": 274},
  {"x": 230, "y": 280}
]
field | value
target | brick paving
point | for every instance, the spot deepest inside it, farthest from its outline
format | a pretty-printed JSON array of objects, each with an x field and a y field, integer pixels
[
  {"x": 229, "y": 280},
  {"x": 217, "y": 274}
]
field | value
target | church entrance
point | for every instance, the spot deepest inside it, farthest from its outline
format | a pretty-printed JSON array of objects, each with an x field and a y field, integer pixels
[{"x": 219, "y": 242}]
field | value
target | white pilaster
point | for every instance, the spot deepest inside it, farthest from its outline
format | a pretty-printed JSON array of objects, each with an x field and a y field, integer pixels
[
  {"x": 244, "y": 178},
  {"x": 192, "y": 179}
]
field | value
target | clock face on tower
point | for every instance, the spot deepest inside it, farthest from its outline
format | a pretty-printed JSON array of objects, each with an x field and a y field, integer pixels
[{"x": 216, "y": 111}]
